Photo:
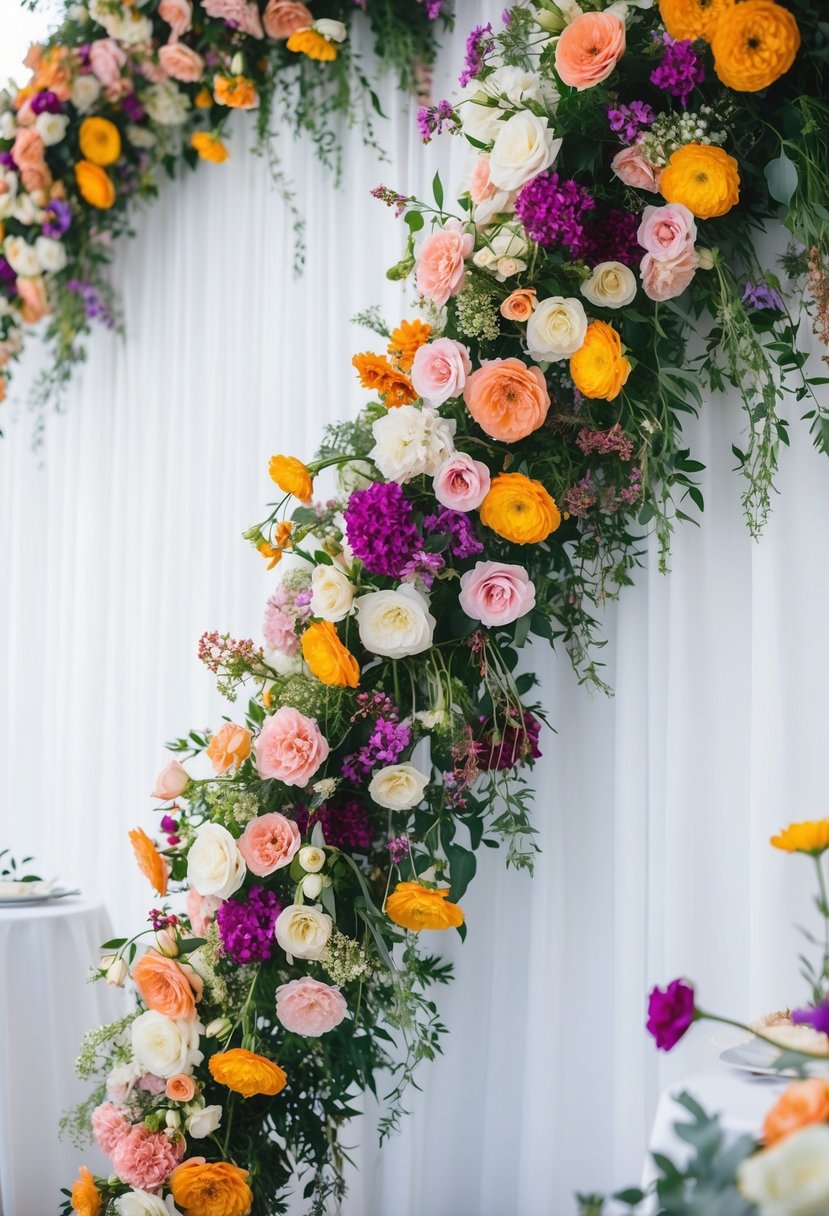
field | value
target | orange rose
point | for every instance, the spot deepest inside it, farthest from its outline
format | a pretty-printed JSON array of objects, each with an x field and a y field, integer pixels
[
  {"x": 237, "y": 92},
  {"x": 598, "y": 367},
  {"x": 519, "y": 304},
  {"x": 247, "y": 1073},
  {"x": 33, "y": 294},
  {"x": 507, "y": 399},
  {"x": 229, "y": 747},
  {"x": 801, "y": 1104},
  {"x": 180, "y": 1088},
  {"x": 94, "y": 185},
  {"x": 292, "y": 476},
  {"x": 211, "y": 1188},
  {"x": 150, "y": 862},
  {"x": 328, "y": 660},
  {"x": 416, "y": 907},
  {"x": 165, "y": 987},
  {"x": 519, "y": 509},
  {"x": 85, "y": 1197}
]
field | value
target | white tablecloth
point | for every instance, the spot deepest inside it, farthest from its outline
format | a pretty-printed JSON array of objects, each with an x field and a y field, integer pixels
[{"x": 46, "y": 1005}]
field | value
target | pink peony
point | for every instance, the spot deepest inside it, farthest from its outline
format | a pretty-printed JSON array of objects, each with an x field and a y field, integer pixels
[
  {"x": 667, "y": 232},
  {"x": 106, "y": 58},
  {"x": 178, "y": 14},
  {"x": 145, "y": 1159},
  {"x": 633, "y": 168},
  {"x": 496, "y": 593},
  {"x": 269, "y": 843},
  {"x": 109, "y": 1126},
  {"x": 181, "y": 62},
  {"x": 440, "y": 262},
  {"x": 279, "y": 629},
  {"x": 243, "y": 15},
  {"x": 201, "y": 909},
  {"x": 439, "y": 371},
  {"x": 308, "y": 1007},
  {"x": 171, "y": 782},
  {"x": 461, "y": 483},
  {"x": 282, "y": 18},
  {"x": 665, "y": 278},
  {"x": 290, "y": 747},
  {"x": 589, "y": 49}
]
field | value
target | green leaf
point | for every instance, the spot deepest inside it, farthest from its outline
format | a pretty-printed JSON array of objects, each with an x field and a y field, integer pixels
[
  {"x": 781, "y": 176},
  {"x": 462, "y": 867},
  {"x": 437, "y": 190},
  {"x": 415, "y": 220}
]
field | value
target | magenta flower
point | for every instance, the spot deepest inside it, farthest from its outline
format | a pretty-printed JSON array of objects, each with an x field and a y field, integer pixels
[
  {"x": 670, "y": 1013},
  {"x": 817, "y": 1017}
]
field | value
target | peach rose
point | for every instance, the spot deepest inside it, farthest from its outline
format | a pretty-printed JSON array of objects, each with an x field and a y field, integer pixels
[
  {"x": 519, "y": 304},
  {"x": 269, "y": 843},
  {"x": 507, "y": 399},
  {"x": 33, "y": 294},
  {"x": 180, "y": 1088},
  {"x": 667, "y": 232},
  {"x": 801, "y": 1104},
  {"x": 171, "y": 782},
  {"x": 589, "y": 49},
  {"x": 665, "y": 278},
  {"x": 282, "y": 18},
  {"x": 166, "y": 987},
  {"x": 633, "y": 168},
  {"x": 106, "y": 58},
  {"x": 440, "y": 262},
  {"x": 309, "y": 1007},
  {"x": 201, "y": 909},
  {"x": 181, "y": 62},
  {"x": 461, "y": 483},
  {"x": 439, "y": 371},
  {"x": 290, "y": 747},
  {"x": 178, "y": 14},
  {"x": 229, "y": 747},
  {"x": 27, "y": 152}
]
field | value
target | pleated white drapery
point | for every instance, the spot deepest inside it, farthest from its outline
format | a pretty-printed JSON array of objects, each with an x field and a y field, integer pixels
[{"x": 121, "y": 544}]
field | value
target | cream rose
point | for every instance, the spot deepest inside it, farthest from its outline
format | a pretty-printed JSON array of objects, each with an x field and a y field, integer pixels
[
  {"x": 333, "y": 31},
  {"x": 50, "y": 253},
  {"x": 303, "y": 931},
  {"x": 166, "y": 104},
  {"x": 164, "y": 1047},
  {"x": 21, "y": 256},
  {"x": 311, "y": 858},
  {"x": 332, "y": 593},
  {"x": 85, "y": 92},
  {"x": 524, "y": 147},
  {"x": 409, "y": 441},
  {"x": 141, "y": 1203},
  {"x": 395, "y": 623},
  {"x": 611, "y": 285},
  {"x": 214, "y": 864},
  {"x": 203, "y": 1121},
  {"x": 792, "y": 1178},
  {"x": 556, "y": 329},
  {"x": 51, "y": 127},
  {"x": 398, "y": 787}
]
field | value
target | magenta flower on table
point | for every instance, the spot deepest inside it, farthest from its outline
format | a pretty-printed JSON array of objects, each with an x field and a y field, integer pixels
[{"x": 670, "y": 1013}]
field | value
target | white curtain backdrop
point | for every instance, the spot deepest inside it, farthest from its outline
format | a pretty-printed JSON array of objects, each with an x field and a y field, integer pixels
[{"x": 121, "y": 543}]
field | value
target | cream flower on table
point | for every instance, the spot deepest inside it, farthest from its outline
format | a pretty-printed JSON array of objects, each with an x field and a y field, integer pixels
[
  {"x": 409, "y": 441},
  {"x": 395, "y": 624},
  {"x": 556, "y": 329},
  {"x": 524, "y": 147}
]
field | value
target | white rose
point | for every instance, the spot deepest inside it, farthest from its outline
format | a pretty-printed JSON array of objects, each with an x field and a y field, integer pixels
[
  {"x": 51, "y": 254},
  {"x": 85, "y": 92},
  {"x": 9, "y": 181},
  {"x": 523, "y": 148},
  {"x": 282, "y": 663},
  {"x": 332, "y": 593},
  {"x": 515, "y": 85},
  {"x": 214, "y": 864},
  {"x": 409, "y": 441},
  {"x": 141, "y": 1203},
  {"x": 21, "y": 256},
  {"x": 166, "y": 104},
  {"x": 164, "y": 1047},
  {"x": 312, "y": 885},
  {"x": 395, "y": 623},
  {"x": 556, "y": 329},
  {"x": 504, "y": 252},
  {"x": 333, "y": 30},
  {"x": 311, "y": 858},
  {"x": 77, "y": 12},
  {"x": 203, "y": 1122},
  {"x": 26, "y": 210},
  {"x": 8, "y": 125},
  {"x": 303, "y": 931},
  {"x": 140, "y": 137},
  {"x": 479, "y": 114},
  {"x": 51, "y": 127},
  {"x": 792, "y": 1178},
  {"x": 611, "y": 285},
  {"x": 398, "y": 787}
]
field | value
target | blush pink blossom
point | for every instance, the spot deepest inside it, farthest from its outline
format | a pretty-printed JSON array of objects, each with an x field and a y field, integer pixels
[
  {"x": 201, "y": 909},
  {"x": 152, "y": 71},
  {"x": 665, "y": 278},
  {"x": 145, "y": 1159},
  {"x": 308, "y": 1007},
  {"x": 290, "y": 747},
  {"x": 109, "y": 1126},
  {"x": 461, "y": 483},
  {"x": 178, "y": 14},
  {"x": 633, "y": 168},
  {"x": 171, "y": 782},
  {"x": 269, "y": 843},
  {"x": 439, "y": 370},
  {"x": 279, "y": 629},
  {"x": 282, "y": 18},
  {"x": 243, "y": 15},
  {"x": 667, "y": 232},
  {"x": 481, "y": 187},
  {"x": 151, "y": 1084},
  {"x": 441, "y": 270},
  {"x": 589, "y": 48},
  {"x": 496, "y": 593},
  {"x": 181, "y": 62},
  {"x": 106, "y": 58}
]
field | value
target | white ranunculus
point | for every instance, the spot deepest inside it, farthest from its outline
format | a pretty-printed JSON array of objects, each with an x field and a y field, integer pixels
[
  {"x": 410, "y": 441},
  {"x": 26, "y": 210},
  {"x": 125, "y": 25},
  {"x": 398, "y": 787},
  {"x": 203, "y": 1122},
  {"x": 556, "y": 329},
  {"x": 333, "y": 30},
  {"x": 51, "y": 254},
  {"x": 166, "y": 104},
  {"x": 395, "y": 623},
  {"x": 499, "y": 202},
  {"x": 21, "y": 256},
  {"x": 505, "y": 252},
  {"x": 611, "y": 285},
  {"x": 524, "y": 147},
  {"x": 85, "y": 92},
  {"x": 214, "y": 864},
  {"x": 792, "y": 1178},
  {"x": 332, "y": 593},
  {"x": 8, "y": 125},
  {"x": 303, "y": 930},
  {"x": 141, "y": 1203},
  {"x": 51, "y": 127},
  {"x": 163, "y": 1046}
]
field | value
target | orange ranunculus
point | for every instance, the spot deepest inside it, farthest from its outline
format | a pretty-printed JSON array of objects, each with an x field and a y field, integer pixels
[
  {"x": 100, "y": 141},
  {"x": 519, "y": 304},
  {"x": 150, "y": 862},
  {"x": 692, "y": 18},
  {"x": 85, "y": 1197},
  {"x": 211, "y": 1188},
  {"x": 204, "y": 99},
  {"x": 811, "y": 836},
  {"x": 209, "y": 147},
  {"x": 270, "y": 552},
  {"x": 292, "y": 476},
  {"x": 229, "y": 747},
  {"x": 328, "y": 660},
  {"x": 406, "y": 341},
  {"x": 163, "y": 985},
  {"x": 237, "y": 92},
  {"x": 519, "y": 509},
  {"x": 507, "y": 399},
  {"x": 801, "y": 1104},
  {"x": 312, "y": 44},
  {"x": 377, "y": 373},
  {"x": 94, "y": 185},
  {"x": 702, "y": 177},
  {"x": 754, "y": 44},
  {"x": 599, "y": 369},
  {"x": 416, "y": 907},
  {"x": 246, "y": 1073}
]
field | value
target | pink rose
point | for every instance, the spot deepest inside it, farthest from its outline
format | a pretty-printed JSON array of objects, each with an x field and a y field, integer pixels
[
  {"x": 634, "y": 169},
  {"x": 243, "y": 15},
  {"x": 181, "y": 62},
  {"x": 178, "y": 14},
  {"x": 439, "y": 370},
  {"x": 488, "y": 199},
  {"x": 106, "y": 58},
  {"x": 201, "y": 909},
  {"x": 589, "y": 49},
  {"x": 145, "y": 1159},
  {"x": 282, "y": 18},
  {"x": 667, "y": 232},
  {"x": 440, "y": 262},
  {"x": 171, "y": 782},
  {"x": 461, "y": 483},
  {"x": 664, "y": 278},
  {"x": 269, "y": 843},
  {"x": 496, "y": 593},
  {"x": 109, "y": 1126},
  {"x": 308, "y": 1007},
  {"x": 28, "y": 154},
  {"x": 290, "y": 747}
]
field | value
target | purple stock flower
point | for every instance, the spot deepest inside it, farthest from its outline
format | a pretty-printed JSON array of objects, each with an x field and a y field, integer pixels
[
  {"x": 680, "y": 70},
  {"x": 479, "y": 44},
  {"x": 431, "y": 120},
  {"x": 246, "y": 924},
  {"x": 817, "y": 1017},
  {"x": 670, "y": 1013},
  {"x": 133, "y": 108},
  {"x": 760, "y": 295},
  {"x": 628, "y": 121},
  {"x": 462, "y": 540},
  {"x": 45, "y": 102},
  {"x": 433, "y": 8},
  {"x": 387, "y": 742},
  {"x": 94, "y": 307},
  {"x": 57, "y": 218},
  {"x": 398, "y": 849},
  {"x": 345, "y": 823},
  {"x": 552, "y": 211},
  {"x": 7, "y": 160},
  {"x": 611, "y": 237},
  {"x": 380, "y": 528}
]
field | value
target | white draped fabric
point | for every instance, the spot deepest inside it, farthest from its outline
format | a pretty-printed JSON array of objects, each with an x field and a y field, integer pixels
[{"x": 121, "y": 544}]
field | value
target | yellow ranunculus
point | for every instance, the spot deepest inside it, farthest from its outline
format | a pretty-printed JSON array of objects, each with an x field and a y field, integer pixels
[
  {"x": 94, "y": 185},
  {"x": 703, "y": 178},
  {"x": 415, "y": 907},
  {"x": 209, "y": 147},
  {"x": 210, "y": 1188},
  {"x": 599, "y": 369},
  {"x": 100, "y": 141},
  {"x": 292, "y": 476},
  {"x": 519, "y": 509},
  {"x": 811, "y": 837},
  {"x": 754, "y": 44},
  {"x": 246, "y": 1073},
  {"x": 692, "y": 18},
  {"x": 327, "y": 658},
  {"x": 312, "y": 44}
]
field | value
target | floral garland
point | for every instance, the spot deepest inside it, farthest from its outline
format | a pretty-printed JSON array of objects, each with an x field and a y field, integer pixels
[
  {"x": 124, "y": 93},
  {"x": 496, "y": 487}
]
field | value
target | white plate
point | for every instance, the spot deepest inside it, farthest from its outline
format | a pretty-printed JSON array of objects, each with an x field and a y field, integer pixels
[
  {"x": 758, "y": 1057},
  {"x": 36, "y": 897}
]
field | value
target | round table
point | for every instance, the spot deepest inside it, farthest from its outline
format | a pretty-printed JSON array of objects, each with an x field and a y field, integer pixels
[{"x": 46, "y": 1005}]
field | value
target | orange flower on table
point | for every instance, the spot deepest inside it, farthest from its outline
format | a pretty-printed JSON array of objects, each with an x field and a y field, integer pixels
[
  {"x": 85, "y": 1196},
  {"x": 519, "y": 304},
  {"x": 406, "y": 341},
  {"x": 519, "y": 509},
  {"x": 100, "y": 141},
  {"x": 415, "y": 907},
  {"x": 94, "y": 185},
  {"x": 702, "y": 177},
  {"x": 312, "y": 44},
  {"x": 811, "y": 836},
  {"x": 377, "y": 374},
  {"x": 801, "y": 1104},
  {"x": 166, "y": 987},
  {"x": 246, "y": 1073},
  {"x": 211, "y": 1188},
  {"x": 209, "y": 147},
  {"x": 754, "y": 44},
  {"x": 507, "y": 399},
  {"x": 292, "y": 476},
  {"x": 229, "y": 747},
  {"x": 599, "y": 369},
  {"x": 327, "y": 658},
  {"x": 150, "y": 862},
  {"x": 692, "y": 18},
  {"x": 237, "y": 92}
]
